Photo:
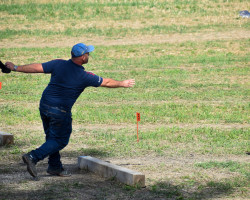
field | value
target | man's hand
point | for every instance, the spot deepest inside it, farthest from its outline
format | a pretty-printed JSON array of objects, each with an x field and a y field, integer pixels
[
  {"x": 10, "y": 65},
  {"x": 4, "y": 68},
  {"x": 110, "y": 83},
  {"x": 128, "y": 83}
]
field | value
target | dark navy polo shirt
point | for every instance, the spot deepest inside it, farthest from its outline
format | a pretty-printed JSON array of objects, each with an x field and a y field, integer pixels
[{"x": 68, "y": 81}]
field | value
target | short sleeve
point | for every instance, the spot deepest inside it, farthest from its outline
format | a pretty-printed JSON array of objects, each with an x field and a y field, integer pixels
[
  {"x": 48, "y": 66},
  {"x": 94, "y": 80}
]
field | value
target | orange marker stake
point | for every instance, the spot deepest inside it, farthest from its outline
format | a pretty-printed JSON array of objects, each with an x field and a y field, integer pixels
[
  {"x": 0, "y": 85},
  {"x": 138, "y": 117}
]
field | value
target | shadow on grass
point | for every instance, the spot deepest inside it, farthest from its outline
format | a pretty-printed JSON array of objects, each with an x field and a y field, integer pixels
[
  {"x": 169, "y": 191},
  {"x": 88, "y": 152},
  {"x": 16, "y": 183}
]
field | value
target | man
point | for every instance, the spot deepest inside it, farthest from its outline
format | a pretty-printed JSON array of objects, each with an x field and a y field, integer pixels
[{"x": 68, "y": 81}]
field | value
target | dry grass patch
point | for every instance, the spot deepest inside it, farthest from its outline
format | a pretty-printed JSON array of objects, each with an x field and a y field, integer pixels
[
  {"x": 36, "y": 1},
  {"x": 62, "y": 25},
  {"x": 62, "y": 41}
]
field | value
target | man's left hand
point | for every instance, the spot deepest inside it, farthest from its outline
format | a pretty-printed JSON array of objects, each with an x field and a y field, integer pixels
[{"x": 129, "y": 83}]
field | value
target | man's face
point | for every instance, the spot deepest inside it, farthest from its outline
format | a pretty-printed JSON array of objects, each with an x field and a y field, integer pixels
[{"x": 85, "y": 58}]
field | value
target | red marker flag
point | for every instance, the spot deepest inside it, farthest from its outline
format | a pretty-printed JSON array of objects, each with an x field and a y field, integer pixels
[
  {"x": 0, "y": 85},
  {"x": 138, "y": 116}
]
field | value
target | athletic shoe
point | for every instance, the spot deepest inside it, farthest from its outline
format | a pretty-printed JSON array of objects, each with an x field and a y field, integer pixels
[
  {"x": 31, "y": 165},
  {"x": 60, "y": 172}
]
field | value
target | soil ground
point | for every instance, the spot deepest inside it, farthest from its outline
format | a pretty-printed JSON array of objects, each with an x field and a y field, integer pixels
[{"x": 18, "y": 184}]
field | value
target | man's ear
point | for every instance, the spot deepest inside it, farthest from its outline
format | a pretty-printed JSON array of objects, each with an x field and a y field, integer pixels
[{"x": 84, "y": 57}]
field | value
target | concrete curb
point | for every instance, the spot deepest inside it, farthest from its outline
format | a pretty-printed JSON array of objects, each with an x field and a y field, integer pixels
[
  {"x": 109, "y": 170},
  {"x": 6, "y": 138}
]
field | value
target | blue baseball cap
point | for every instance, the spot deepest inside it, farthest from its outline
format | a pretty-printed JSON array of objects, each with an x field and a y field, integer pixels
[{"x": 80, "y": 49}]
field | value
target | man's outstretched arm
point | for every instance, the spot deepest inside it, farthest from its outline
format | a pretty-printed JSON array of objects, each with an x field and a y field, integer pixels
[
  {"x": 30, "y": 68},
  {"x": 110, "y": 83}
]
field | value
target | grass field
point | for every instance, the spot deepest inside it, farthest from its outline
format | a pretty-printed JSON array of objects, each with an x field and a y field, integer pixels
[{"x": 191, "y": 63}]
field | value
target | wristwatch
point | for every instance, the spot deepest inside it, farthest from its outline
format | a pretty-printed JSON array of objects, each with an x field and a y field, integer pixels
[{"x": 15, "y": 67}]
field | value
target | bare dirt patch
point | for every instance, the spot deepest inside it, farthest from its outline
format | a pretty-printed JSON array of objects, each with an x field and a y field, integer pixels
[{"x": 171, "y": 172}]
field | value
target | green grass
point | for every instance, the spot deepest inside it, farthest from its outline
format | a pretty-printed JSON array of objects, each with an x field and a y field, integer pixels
[
  {"x": 165, "y": 141},
  {"x": 232, "y": 166},
  {"x": 112, "y": 31},
  {"x": 164, "y": 82},
  {"x": 228, "y": 185},
  {"x": 98, "y": 10}
]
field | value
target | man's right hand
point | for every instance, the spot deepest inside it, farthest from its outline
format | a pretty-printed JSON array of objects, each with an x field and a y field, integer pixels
[{"x": 10, "y": 65}]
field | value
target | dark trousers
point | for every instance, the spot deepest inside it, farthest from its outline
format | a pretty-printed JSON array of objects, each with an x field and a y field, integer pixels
[{"x": 57, "y": 124}]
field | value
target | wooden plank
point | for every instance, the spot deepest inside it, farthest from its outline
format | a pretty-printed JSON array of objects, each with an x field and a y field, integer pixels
[
  {"x": 109, "y": 170},
  {"x": 6, "y": 138}
]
